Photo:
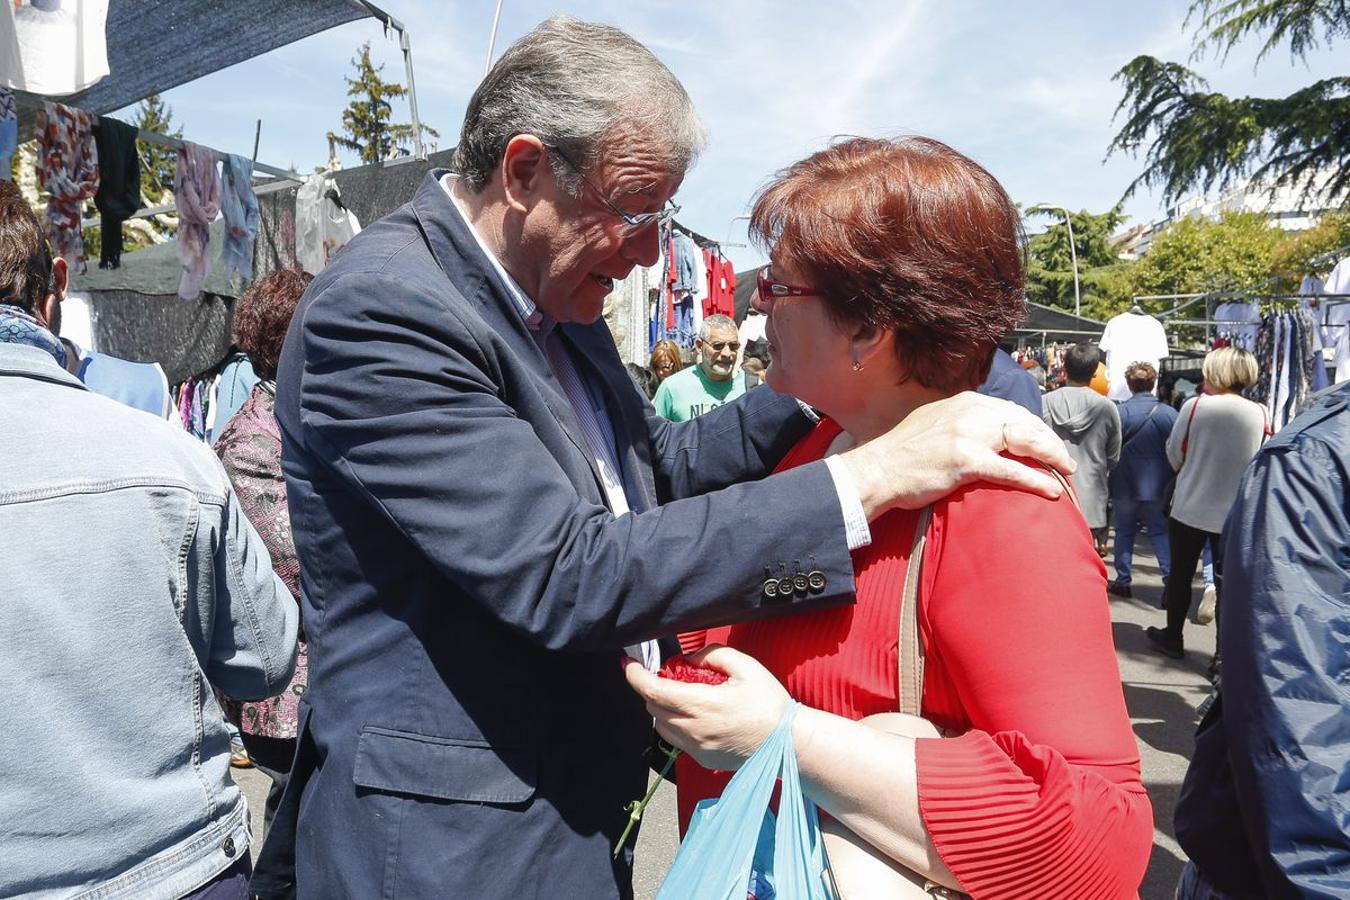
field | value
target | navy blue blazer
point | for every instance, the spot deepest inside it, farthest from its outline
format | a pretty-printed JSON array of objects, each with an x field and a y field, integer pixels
[
  {"x": 1143, "y": 471},
  {"x": 467, "y": 731}
]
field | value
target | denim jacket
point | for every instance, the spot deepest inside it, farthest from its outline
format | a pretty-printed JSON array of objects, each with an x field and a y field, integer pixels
[{"x": 130, "y": 583}]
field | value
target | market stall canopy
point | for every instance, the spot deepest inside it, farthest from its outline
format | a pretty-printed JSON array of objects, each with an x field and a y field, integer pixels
[
  {"x": 154, "y": 45},
  {"x": 1057, "y": 325}
]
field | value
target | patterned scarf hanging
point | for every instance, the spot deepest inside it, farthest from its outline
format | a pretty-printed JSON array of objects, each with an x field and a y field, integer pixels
[
  {"x": 240, "y": 206},
  {"x": 68, "y": 171},
  {"x": 196, "y": 188},
  {"x": 9, "y": 132},
  {"x": 19, "y": 327}
]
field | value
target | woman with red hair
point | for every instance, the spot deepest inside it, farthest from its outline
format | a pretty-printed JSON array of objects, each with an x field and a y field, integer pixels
[{"x": 895, "y": 268}]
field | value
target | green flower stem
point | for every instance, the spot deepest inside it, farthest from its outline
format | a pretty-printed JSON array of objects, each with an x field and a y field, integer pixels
[{"x": 637, "y": 806}]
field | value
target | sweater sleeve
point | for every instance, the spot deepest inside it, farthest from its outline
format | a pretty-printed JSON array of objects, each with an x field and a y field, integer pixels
[{"x": 1041, "y": 797}]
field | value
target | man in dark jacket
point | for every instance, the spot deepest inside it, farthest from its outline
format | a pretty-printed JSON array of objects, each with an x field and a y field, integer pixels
[
  {"x": 1139, "y": 481},
  {"x": 487, "y": 512},
  {"x": 1265, "y": 807}
]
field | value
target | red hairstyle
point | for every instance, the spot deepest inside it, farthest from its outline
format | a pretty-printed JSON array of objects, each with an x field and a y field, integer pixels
[
  {"x": 907, "y": 235},
  {"x": 263, "y": 315}
]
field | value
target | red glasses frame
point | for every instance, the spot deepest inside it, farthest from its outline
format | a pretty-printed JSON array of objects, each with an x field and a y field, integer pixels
[{"x": 770, "y": 290}]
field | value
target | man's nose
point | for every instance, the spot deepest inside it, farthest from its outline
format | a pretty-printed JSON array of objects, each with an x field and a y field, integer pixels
[{"x": 643, "y": 247}]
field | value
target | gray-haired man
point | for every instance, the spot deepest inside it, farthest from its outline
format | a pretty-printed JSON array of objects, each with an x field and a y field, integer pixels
[
  {"x": 711, "y": 381},
  {"x": 487, "y": 511}
]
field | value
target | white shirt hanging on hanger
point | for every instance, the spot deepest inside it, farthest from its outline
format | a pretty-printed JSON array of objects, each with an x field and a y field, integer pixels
[
  {"x": 1241, "y": 321},
  {"x": 1130, "y": 338},
  {"x": 1336, "y": 319},
  {"x": 51, "y": 48},
  {"x": 322, "y": 228}
]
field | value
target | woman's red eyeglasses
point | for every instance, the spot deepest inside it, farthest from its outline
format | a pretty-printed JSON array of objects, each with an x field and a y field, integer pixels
[{"x": 770, "y": 290}]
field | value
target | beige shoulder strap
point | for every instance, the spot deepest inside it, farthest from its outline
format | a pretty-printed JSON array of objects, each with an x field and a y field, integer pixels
[{"x": 910, "y": 649}]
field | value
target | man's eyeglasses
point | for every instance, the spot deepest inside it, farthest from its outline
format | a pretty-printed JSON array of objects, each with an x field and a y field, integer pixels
[
  {"x": 632, "y": 223},
  {"x": 719, "y": 346},
  {"x": 770, "y": 290}
]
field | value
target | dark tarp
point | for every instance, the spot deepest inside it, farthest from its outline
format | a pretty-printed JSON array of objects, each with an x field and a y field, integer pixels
[
  {"x": 154, "y": 45},
  {"x": 371, "y": 192},
  {"x": 186, "y": 337}
]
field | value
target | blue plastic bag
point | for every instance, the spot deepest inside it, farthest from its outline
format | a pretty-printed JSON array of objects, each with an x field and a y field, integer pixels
[{"x": 736, "y": 848}]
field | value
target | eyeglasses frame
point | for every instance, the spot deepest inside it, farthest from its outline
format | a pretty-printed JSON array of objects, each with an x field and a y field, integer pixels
[{"x": 632, "y": 224}]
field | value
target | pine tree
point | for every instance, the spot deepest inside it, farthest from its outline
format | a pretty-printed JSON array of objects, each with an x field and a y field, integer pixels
[
  {"x": 1195, "y": 139},
  {"x": 157, "y": 163},
  {"x": 367, "y": 129}
]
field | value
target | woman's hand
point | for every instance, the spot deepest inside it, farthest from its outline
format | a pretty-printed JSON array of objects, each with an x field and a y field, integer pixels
[
  {"x": 718, "y": 725},
  {"x": 952, "y": 442}
]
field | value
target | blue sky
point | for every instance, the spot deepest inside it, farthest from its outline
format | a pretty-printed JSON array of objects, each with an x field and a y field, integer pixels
[{"x": 1024, "y": 88}]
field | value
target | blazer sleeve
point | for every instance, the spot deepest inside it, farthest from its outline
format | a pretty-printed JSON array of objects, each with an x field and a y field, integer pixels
[
  {"x": 403, "y": 403},
  {"x": 738, "y": 441}
]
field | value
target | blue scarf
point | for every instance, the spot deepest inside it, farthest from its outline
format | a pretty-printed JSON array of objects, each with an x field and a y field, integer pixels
[{"x": 18, "y": 327}]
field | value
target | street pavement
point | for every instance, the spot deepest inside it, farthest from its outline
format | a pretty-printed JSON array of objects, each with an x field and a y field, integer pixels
[{"x": 1162, "y": 696}]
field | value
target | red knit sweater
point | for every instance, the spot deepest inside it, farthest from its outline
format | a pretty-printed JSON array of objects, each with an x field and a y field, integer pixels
[{"x": 1040, "y": 794}]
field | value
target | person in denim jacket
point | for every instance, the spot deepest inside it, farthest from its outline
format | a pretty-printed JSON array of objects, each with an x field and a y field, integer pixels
[{"x": 130, "y": 584}]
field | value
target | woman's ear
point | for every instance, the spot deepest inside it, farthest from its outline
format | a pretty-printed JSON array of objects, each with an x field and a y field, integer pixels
[{"x": 871, "y": 344}]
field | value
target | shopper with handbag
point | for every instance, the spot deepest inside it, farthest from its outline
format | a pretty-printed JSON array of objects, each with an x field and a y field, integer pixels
[
  {"x": 895, "y": 268},
  {"x": 1140, "y": 481},
  {"x": 1216, "y": 434}
]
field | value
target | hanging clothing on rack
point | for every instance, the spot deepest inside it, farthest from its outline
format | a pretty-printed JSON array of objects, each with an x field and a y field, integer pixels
[
  {"x": 68, "y": 170},
  {"x": 239, "y": 205},
  {"x": 196, "y": 188},
  {"x": 119, "y": 185},
  {"x": 9, "y": 132},
  {"x": 1336, "y": 322},
  {"x": 53, "y": 48},
  {"x": 1290, "y": 365},
  {"x": 1129, "y": 338},
  {"x": 323, "y": 225},
  {"x": 1240, "y": 321}
]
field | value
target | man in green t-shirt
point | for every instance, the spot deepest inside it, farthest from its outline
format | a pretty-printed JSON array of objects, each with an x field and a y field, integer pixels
[{"x": 713, "y": 381}]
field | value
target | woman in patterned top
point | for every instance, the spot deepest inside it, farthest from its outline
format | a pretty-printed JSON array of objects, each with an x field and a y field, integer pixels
[{"x": 250, "y": 449}]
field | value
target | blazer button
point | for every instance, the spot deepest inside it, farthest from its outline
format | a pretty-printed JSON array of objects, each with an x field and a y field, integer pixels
[
  {"x": 771, "y": 589},
  {"x": 816, "y": 581},
  {"x": 785, "y": 586},
  {"x": 800, "y": 583},
  {"x": 228, "y": 847}
]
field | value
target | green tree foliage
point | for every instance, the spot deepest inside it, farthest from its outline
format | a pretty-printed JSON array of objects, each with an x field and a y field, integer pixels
[
  {"x": 367, "y": 129},
  {"x": 1198, "y": 255},
  {"x": 157, "y": 163},
  {"x": 1104, "y": 282},
  {"x": 1295, "y": 252},
  {"x": 1194, "y": 139}
]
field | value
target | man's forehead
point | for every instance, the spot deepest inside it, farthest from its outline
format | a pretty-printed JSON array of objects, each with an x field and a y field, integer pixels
[
  {"x": 721, "y": 333},
  {"x": 638, "y": 168}
]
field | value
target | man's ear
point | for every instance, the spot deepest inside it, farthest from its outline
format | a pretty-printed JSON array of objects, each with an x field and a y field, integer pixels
[
  {"x": 524, "y": 171},
  {"x": 49, "y": 307}
]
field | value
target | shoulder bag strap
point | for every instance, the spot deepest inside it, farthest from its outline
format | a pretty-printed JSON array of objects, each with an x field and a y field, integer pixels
[
  {"x": 910, "y": 649},
  {"x": 1186, "y": 438},
  {"x": 1134, "y": 433}
]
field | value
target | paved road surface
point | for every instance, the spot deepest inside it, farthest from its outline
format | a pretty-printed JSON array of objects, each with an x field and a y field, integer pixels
[{"x": 1161, "y": 694}]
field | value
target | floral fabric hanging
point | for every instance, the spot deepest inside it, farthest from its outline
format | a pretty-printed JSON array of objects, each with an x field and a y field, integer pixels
[
  {"x": 196, "y": 188},
  {"x": 67, "y": 167}
]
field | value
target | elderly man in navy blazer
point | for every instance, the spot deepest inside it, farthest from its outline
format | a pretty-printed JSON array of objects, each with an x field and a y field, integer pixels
[{"x": 488, "y": 512}]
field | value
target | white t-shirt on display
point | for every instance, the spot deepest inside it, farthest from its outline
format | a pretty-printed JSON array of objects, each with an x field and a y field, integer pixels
[
  {"x": 1336, "y": 318},
  {"x": 1130, "y": 338}
]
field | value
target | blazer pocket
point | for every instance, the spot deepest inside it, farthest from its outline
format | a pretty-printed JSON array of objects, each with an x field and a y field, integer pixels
[{"x": 401, "y": 762}]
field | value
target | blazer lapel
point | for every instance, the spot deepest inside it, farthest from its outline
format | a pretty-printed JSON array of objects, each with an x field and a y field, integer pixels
[
  {"x": 459, "y": 255},
  {"x": 591, "y": 343}
]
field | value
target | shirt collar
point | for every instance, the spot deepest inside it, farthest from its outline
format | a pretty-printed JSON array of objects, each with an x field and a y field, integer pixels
[{"x": 529, "y": 311}]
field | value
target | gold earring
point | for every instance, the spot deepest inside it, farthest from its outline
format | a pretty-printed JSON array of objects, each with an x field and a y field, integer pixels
[{"x": 857, "y": 365}]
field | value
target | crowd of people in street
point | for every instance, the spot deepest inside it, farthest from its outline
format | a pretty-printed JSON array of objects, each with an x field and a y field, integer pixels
[{"x": 447, "y": 509}]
